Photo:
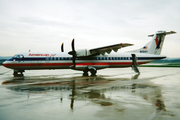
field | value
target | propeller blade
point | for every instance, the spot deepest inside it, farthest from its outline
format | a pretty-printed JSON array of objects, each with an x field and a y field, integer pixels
[
  {"x": 73, "y": 53},
  {"x": 72, "y": 45},
  {"x": 62, "y": 47},
  {"x": 74, "y": 61}
]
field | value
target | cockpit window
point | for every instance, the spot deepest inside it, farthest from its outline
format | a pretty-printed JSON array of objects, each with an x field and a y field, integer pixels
[{"x": 20, "y": 56}]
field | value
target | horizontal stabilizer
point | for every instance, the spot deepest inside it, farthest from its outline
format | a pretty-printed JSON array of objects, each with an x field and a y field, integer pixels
[{"x": 162, "y": 33}]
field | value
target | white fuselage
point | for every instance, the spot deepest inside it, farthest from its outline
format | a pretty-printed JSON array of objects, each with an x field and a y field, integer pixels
[{"x": 32, "y": 61}]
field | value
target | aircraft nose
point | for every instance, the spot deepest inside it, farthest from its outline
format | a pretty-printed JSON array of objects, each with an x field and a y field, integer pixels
[{"x": 4, "y": 63}]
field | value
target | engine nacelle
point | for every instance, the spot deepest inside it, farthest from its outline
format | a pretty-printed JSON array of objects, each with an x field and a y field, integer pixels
[{"x": 82, "y": 53}]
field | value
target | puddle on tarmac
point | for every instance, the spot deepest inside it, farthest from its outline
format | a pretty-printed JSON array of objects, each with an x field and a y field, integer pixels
[{"x": 151, "y": 95}]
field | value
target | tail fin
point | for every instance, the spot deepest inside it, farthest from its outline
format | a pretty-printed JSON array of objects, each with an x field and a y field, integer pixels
[{"x": 155, "y": 45}]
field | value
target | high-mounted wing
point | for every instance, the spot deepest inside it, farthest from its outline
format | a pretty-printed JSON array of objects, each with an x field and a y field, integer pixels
[
  {"x": 83, "y": 53},
  {"x": 108, "y": 49}
]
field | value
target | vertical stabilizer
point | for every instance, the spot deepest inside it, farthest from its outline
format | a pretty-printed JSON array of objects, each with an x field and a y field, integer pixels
[{"x": 155, "y": 45}]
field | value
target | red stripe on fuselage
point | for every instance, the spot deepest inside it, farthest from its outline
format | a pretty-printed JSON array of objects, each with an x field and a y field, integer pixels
[
  {"x": 35, "y": 64},
  {"x": 9, "y": 65}
]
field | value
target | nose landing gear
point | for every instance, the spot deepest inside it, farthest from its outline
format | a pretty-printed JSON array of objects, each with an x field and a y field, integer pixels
[{"x": 18, "y": 73}]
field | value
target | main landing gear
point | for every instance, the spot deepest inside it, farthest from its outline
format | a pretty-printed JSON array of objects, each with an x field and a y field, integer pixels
[
  {"x": 92, "y": 70},
  {"x": 18, "y": 73}
]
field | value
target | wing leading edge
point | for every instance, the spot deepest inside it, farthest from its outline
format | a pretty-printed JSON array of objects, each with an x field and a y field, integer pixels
[
  {"x": 83, "y": 53},
  {"x": 108, "y": 49}
]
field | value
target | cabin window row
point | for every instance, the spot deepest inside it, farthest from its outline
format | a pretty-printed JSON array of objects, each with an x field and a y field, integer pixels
[
  {"x": 59, "y": 58},
  {"x": 95, "y": 58},
  {"x": 112, "y": 58}
]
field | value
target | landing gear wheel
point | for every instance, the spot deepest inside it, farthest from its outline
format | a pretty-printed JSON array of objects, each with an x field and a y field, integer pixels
[
  {"x": 85, "y": 72},
  {"x": 93, "y": 72},
  {"x": 15, "y": 73},
  {"x": 91, "y": 69}
]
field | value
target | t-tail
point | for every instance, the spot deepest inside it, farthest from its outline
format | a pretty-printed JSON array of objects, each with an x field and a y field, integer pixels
[{"x": 155, "y": 45}]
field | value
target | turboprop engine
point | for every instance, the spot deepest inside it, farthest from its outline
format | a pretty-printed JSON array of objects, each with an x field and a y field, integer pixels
[{"x": 82, "y": 53}]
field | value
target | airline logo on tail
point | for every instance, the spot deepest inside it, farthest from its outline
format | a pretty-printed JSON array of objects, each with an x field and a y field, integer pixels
[{"x": 158, "y": 42}]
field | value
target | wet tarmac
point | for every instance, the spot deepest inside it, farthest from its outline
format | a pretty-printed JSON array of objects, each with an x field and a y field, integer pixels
[{"x": 114, "y": 94}]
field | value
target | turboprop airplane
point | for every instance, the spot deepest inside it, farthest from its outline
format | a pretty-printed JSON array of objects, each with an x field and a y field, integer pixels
[{"x": 90, "y": 60}]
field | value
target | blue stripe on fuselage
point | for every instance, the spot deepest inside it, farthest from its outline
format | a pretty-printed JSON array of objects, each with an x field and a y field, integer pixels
[{"x": 92, "y": 58}]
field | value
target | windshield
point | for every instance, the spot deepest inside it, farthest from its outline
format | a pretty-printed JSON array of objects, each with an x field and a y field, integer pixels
[{"x": 18, "y": 56}]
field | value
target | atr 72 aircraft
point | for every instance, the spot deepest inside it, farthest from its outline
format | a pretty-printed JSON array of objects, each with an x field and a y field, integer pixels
[{"x": 90, "y": 60}]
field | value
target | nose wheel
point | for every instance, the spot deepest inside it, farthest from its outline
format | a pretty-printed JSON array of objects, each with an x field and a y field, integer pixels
[{"x": 18, "y": 73}]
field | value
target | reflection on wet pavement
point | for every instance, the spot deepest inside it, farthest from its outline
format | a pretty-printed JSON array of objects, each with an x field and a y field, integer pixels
[{"x": 118, "y": 96}]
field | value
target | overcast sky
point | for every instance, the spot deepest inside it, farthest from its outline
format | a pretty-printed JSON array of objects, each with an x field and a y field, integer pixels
[{"x": 42, "y": 25}]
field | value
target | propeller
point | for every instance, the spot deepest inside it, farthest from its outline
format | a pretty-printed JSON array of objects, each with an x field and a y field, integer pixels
[
  {"x": 62, "y": 47},
  {"x": 73, "y": 53}
]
